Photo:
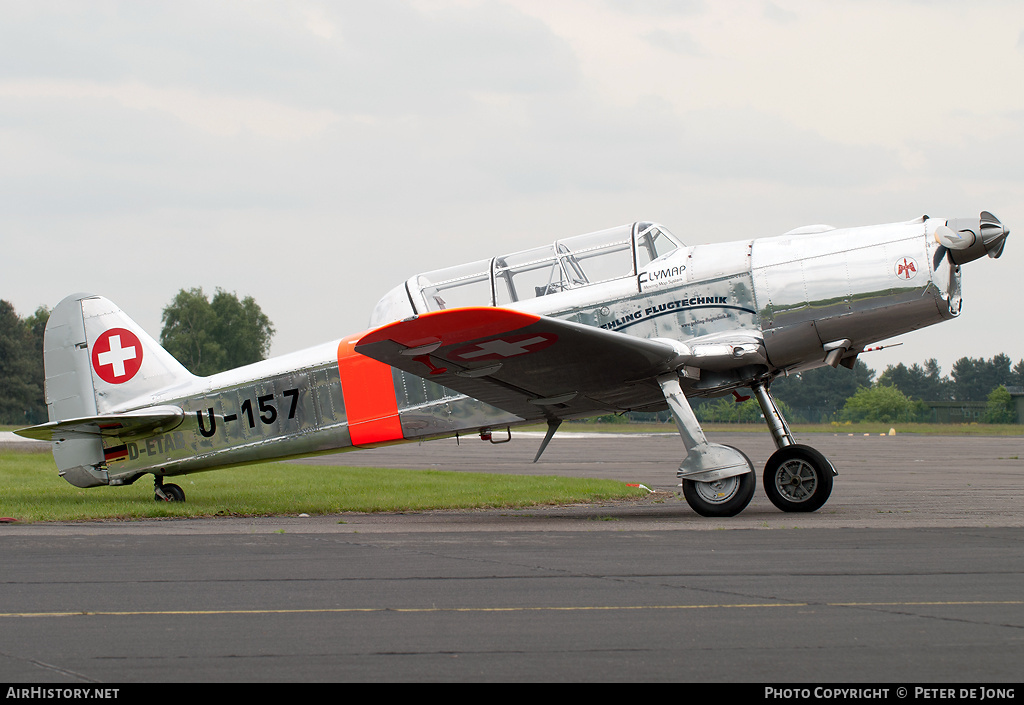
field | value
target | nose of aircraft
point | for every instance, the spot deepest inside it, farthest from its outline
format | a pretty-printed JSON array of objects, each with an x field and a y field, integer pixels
[
  {"x": 993, "y": 234},
  {"x": 967, "y": 239}
]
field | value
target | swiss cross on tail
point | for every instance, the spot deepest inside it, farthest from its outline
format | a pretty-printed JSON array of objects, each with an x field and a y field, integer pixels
[{"x": 117, "y": 355}]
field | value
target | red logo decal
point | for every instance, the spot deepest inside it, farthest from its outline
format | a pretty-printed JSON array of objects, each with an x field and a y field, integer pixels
[
  {"x": 905, "y": 268},
  {"x": 117, "y": 355},
  {"x": 500, "y": 348}
]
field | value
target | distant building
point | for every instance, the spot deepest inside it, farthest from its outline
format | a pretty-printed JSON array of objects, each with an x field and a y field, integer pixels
[
  {"x": 971, "y": 411},
  {"x": 957, "y": 411},
  {"x": 1017, "y": 394}
]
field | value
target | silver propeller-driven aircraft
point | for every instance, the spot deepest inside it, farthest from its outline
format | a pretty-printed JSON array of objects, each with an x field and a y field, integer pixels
[{"x": 626, "y": 319}]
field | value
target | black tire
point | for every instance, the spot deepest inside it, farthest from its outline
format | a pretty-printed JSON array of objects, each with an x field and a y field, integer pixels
[
  {"x": 798, "y": 478},
  {"x": 173, "y": 492},
  {"x": 722, "y": 498}
]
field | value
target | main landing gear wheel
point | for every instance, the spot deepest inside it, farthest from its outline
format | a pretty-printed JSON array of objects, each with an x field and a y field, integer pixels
[
  {"x": 171, "y": 493},
  {"x": 797, "y": 478},
  {"x": 721, "y": 498}
]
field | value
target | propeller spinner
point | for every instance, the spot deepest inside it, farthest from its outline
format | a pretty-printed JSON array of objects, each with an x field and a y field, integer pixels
[{"x": 968, "y": 239}]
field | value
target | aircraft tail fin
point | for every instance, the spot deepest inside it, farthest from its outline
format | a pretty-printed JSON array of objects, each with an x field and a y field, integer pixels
[
  {"x": 98, "y": 360},
  {"x": 98, "y": 363}
]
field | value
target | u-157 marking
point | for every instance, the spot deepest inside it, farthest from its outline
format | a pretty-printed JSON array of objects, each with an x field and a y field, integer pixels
[{"x": 267, "y": 412}]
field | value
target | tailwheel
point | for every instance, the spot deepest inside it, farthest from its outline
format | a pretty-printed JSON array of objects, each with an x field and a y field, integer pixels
[
  {"x": 797, "y": 478},
  {"x": 721, "y": 498},
  {"x": 168, "y": 492}
]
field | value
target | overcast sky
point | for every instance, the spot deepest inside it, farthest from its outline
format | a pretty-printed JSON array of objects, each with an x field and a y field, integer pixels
[{"x": 315, "y": 154}]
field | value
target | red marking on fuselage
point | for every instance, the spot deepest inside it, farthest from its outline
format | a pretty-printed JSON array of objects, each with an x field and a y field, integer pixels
[
  {"x": 906, "y": 268},
  {"x": 369, "y": 392},
  {"x": 368, "y": 386}
]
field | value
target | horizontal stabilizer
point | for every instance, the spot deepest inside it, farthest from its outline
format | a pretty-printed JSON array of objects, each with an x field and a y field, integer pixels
[{"x": 141, "y": 422}]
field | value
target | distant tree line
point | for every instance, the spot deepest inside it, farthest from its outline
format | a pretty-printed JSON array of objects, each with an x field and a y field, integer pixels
[
  {"x": 206, "y": 336},
  {"x": 21, "y": 366},
  {"x": 900, "y": 393}
]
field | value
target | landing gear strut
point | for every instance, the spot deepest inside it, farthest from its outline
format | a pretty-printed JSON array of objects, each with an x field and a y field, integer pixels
[
  {"x": 797, "y": 478},
  {"x": 168, "y": 492},
  {"x": 718, "y": 480}
]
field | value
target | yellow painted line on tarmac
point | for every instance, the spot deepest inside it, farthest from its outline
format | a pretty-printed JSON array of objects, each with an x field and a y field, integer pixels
[
  {"x": 942, "y": 603},
  {"x": 421, "y": 610},
  {"x": 407, "y": 610}
]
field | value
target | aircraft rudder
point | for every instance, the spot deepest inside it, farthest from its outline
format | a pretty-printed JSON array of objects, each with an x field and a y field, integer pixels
[{"x": 68, "y": 373}]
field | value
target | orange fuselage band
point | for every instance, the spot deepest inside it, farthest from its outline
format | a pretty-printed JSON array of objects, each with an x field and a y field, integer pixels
[{"x": 369, "y": 392}]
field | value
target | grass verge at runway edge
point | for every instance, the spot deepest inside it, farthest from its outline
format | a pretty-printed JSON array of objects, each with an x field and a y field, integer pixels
[
  {"x": 31, "y": 490},
  {"x": 845, "y": 428}
]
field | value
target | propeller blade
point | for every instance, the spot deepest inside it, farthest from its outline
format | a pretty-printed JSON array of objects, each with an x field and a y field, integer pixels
[{"x": 953, "y": 239}]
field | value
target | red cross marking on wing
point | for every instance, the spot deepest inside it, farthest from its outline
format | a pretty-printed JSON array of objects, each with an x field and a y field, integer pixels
[{"x": 504, "y": 347}]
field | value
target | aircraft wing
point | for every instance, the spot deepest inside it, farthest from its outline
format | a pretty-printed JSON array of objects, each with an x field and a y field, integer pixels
[
  {"x": 532, "y": 366},
  {"x": 142, "y": 422}
]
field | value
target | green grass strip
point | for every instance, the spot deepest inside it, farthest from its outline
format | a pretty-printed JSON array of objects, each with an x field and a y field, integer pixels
[{"x": 31, "y": 490}]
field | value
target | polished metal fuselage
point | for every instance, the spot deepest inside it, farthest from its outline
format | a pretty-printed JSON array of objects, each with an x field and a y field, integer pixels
[{"x": 803, "y": 299}]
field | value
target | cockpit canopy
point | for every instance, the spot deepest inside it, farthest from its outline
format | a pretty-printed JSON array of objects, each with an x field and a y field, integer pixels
[{"x": 566, "y": 264}]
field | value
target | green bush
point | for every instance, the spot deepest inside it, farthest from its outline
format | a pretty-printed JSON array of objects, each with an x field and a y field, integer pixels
[
  {"x": 880, "y": 403},
  {"x": 1000, "y": 407},
  {"x": 727, "y": 410}
]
